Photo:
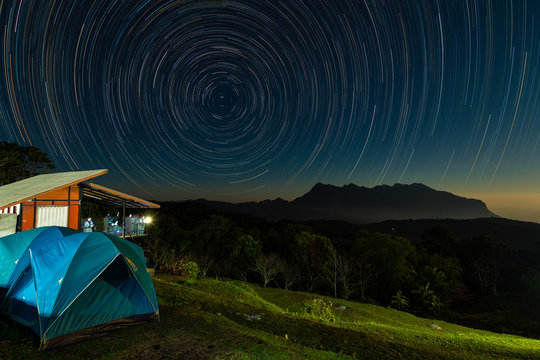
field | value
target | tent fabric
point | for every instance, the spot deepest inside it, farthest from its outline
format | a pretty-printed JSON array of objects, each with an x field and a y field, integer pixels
[
  {"x": 65, "y": 281},
  {"x": 11, "y": 249},
  {"x": 13, "y": 246}
]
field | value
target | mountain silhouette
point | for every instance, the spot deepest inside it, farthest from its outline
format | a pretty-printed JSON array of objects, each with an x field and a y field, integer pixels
[{"x": 359, "y": 204}]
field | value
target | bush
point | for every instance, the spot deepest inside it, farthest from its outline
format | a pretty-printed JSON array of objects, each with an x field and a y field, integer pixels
[
  {"x": 173, "y": 263},
  {"x": 400, "y": 301},
  {"x": 427, "y": 299},
  {"x": 318, "y": 309},
  {"x": 191, "y": 271},
  {"x": 174, "y": 267}
]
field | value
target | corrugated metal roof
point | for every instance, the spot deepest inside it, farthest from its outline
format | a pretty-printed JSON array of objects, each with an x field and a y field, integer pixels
[
  {"x": 114, "y": 197},
  {"x": 30, "y": 188}
]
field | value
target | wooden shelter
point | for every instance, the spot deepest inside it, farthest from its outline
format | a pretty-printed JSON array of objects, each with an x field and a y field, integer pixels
[{"x": 55, "y": 199}]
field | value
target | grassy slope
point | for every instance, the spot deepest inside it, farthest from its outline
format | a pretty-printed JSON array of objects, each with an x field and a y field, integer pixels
[{"x": 209, "y": 319}]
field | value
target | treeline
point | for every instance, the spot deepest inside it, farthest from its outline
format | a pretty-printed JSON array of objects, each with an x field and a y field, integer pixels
[
  {"x": 388, "y": 269},
  {"x": 20, "y": 162}
]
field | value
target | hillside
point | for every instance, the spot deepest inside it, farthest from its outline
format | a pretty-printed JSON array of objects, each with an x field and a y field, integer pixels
[
  {"x": 233, "y": 320},
  {"x": 517, "y": 234},
  {"x": 360, "y": 204},
  {"x": 514, "y": 233}
]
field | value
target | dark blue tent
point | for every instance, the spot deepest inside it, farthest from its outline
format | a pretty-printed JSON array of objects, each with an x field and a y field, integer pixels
[{"x": 67, "y": 285}]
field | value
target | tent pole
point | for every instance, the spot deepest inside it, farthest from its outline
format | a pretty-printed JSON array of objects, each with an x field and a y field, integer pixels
[{"x": 35, "y": 290}]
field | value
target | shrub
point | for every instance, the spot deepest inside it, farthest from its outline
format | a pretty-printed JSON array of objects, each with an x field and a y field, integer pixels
[
  {"x": 191, "y": 271},
  {"x": 174, "y": 267},
  {"x": 173, "y": 263},
  {"x": 318, "y": 309},
  {"x": 400, "y": 301},
  {"x": 428, "y": 299}
]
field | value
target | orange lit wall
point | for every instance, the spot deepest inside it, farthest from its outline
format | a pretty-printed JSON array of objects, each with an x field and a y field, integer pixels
[{"x": 68, "y": 196}]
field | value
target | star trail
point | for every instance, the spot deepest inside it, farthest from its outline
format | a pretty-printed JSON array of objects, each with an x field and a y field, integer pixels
[{"x": 246, "y": 100}]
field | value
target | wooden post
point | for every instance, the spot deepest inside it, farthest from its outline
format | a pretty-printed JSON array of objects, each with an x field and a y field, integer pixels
[{"x": 124, "y": 219}]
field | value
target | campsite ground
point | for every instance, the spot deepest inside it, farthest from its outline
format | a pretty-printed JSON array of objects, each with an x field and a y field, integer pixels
[{"x": 214, "y": 319}]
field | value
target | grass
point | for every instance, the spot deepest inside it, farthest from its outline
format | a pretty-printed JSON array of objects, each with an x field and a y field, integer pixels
[
  {"x": 214, "y": 319},
  {"x": 517, "y": 313}
]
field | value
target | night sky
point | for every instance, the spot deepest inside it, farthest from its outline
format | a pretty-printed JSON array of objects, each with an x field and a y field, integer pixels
[{"x": 247, "y": 100}]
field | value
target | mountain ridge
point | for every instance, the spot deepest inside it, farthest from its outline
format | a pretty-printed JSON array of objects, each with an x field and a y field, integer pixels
[{"x": 359, "y": 204}]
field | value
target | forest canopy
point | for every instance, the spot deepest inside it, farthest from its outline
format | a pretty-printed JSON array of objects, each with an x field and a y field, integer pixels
[{"x": 20, "y": 162}]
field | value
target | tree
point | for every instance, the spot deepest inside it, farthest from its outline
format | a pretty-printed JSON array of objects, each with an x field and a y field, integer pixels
[
  {"x": 21, "y": 162},
  {"x": 340, "y": 270},
  {"x": 158, "y": 250},
  {"x": 164, "y": 238},
  {"x": 346, "y": 276},
  {"x": 309, "y": 253},
  {"x": 331, "y": 270},
  {"x": 245, "y": 250},
  {"x": 487, "y": 271},
  {"x": 289, "y": 275},
  {"x": 268, "y": 266},
  {"x": 485, "y": 259},
  {"x": 440, "y": 240},
  {"x": 437, "y": 283},
  {"x": 215, "y": 239},
  {"x": 536, "y": 255},
  {"x": 205, "y": 263},
  {"x": 384, "y": 256},
  {"x": 365, "y": 275},
  {"x": 444, "y": 273}
]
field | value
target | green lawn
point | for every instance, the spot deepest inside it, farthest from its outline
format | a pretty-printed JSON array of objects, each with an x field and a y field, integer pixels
[{"x": 214, "y": 319}]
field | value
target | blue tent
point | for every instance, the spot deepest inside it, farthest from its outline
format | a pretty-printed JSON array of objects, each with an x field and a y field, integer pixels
[
  {"x": 13, "y": 246},
  {"x": 67, "y": 285}
]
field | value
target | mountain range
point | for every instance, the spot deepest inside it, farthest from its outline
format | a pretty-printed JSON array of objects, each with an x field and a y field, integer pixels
[{"x": 362, "y": 205}]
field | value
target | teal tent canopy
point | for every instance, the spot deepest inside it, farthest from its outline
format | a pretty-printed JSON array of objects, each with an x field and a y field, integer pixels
[
  {"x": 13, "y": 246},
  {"x": 66, "y": 285}
]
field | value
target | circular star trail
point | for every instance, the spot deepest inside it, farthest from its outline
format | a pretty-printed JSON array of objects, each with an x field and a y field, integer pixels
[{"x": 254, "y": 99}]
